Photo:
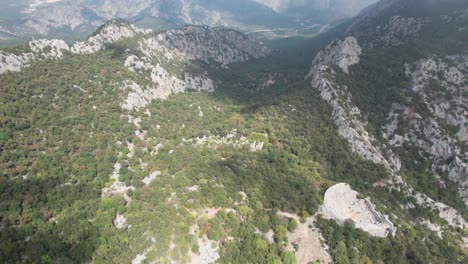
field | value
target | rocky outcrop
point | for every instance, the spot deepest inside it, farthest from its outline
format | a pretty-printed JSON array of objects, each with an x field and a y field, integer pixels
[
  {"x": 233, "y": 139},
  {"x": 340, "y": 203},
  {"x": 110, "y": 32},
  {"x": 43, "y": 48},
  {"x": 13, "y": 63},
  {"x": 181, "y": 48},
  {"x": 380, "y": 25},
  {"x": 343, "y": 53},
  {"x": 427, "y": 133},
  {"x": 449, "y": 214},
  {"x": 219, "y": 45},
  {"x": 120, "y": 222},
  {"x": 442, "y": 86},
  {"x": 49, "y": 48},
  {"x": 165, "y": 57},
  {"x": 347, "y": 116},
  {"x": 164, "y": 84}
]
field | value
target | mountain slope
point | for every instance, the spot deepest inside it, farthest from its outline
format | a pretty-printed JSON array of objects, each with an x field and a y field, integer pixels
[
  {"x": 318, "y": 10},
  {"x": 73, "y": 19},
  {"x": 397, "y": 87},
  {"x": 199, "y": 145}
]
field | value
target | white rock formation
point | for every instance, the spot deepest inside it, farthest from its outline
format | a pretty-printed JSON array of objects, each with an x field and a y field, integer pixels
[
  {"x": 13, "y": 63},
  {"x": 374, "y": 28},
  {"x": 347, "y": 116},
  {"x": 117, "y": 187},
  {"x": 232, "y": 139},
  {"x": 351, "y": 126},
  {"x": 220, "y": 45},
  {"x": 341, "y": 204},
  {"x": 164, "y": 84},
  {"x": 343, "y": 53},
  {"x": 179, "y": 48},
  {"x": 147, "y": 180},
  {"x": 112, "y": 31},
  {"x": 208, "y": 252},
  {"x": 43, "y": 48},
  {"x": 442, "y": 85},
  {"x": 120, "y": 222}
]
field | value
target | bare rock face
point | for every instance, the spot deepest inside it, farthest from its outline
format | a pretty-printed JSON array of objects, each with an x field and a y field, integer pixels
[
  {"x": 164, "y": 84},
  {"x": 112, "y": 31},
  {"x": 347, "y": 116},
  {"x": 343, "y": 53},
  {"x": 120, "y": 222},
  {"x": 425, "y": 133},
  {"x": 43, "y": 48},
  {"x": 49, "y": 48},
  {"x": 208, "y": 252},
  {"x": 341, "y": 204},
  {"x": 180, "y": 48},
  {"x": 220, "y": 45},
  {"x": 13, "y": 63},
  {"x": 165, "y": 56},
  {"x": 380, "y": 26},
  {"x": 441, "y": 84}
]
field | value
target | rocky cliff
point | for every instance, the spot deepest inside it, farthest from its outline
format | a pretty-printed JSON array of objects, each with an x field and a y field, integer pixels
[
  {"x": 430, "y": 115},
  {"x": 161, "y": 58},
  {"x": 341, "y": 204}
]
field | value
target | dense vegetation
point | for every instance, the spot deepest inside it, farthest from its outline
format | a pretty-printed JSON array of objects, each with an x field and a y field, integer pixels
[
  {"x": 379, "y": 81},
  {"x": 412, "y": 245},
  {"x": 63, "y": 131}
]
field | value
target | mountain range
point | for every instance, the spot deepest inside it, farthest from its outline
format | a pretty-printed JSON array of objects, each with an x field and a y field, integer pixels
[
  {"x": 201, "y": 144},
  {"x": 71, "y": 19}
]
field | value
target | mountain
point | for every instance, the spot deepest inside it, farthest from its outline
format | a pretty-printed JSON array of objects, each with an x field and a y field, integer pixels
[
  {"x": 73, "y": 19},
  {"x": 199, "y": 144},
  {"x": 318, "y": 10},
  {"x": 175, "y": 48},
  {"x": 396, "y": 82}
]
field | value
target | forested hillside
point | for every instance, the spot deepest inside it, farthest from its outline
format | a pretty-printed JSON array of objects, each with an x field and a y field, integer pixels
[{"x": 200, "y": 145}]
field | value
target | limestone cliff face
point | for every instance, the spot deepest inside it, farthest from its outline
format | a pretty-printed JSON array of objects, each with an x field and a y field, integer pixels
[
  {"x": 219, "y": 45},
  {"x": 438, "y": 81},
  {"x": 38, "y": 49},
  {"x": 179, "y": 48},
  {"x": 381, "y": 24},
  {"x": 343, "y": 53},
  {"x": 111, "y": 32},
  {"x": 442, "y": 85},
  {"x": 341, "y": 203},
  {"x": 164, "y": 58},
  {"x": 351, "y": 125}
]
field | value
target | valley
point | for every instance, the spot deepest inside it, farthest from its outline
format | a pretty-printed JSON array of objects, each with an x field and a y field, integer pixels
[{"x": 201, "y": 144}]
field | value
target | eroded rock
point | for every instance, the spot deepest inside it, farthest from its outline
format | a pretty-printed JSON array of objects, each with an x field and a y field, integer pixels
[{"x": 341, "y": 203}]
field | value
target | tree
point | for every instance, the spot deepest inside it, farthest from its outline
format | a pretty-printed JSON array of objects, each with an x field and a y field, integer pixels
[
  {"x": 340, "y": 253},
  {"x": 292, "y": 224},
  {"x": 289, "y": 258}
]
